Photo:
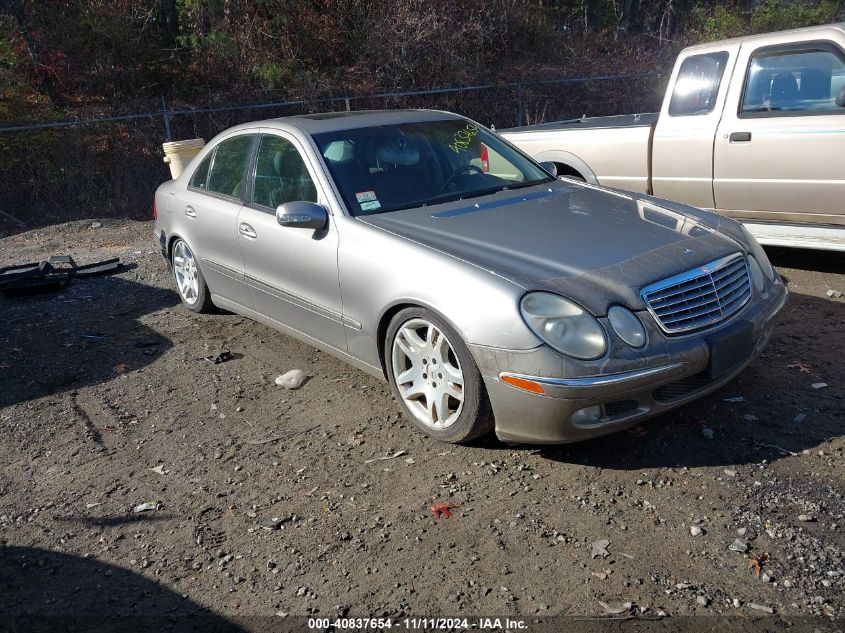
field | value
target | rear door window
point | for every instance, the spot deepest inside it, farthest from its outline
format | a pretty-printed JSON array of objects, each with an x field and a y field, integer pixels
[
  {"x": 697, "y": 85},
  {"x": 200, "y": 176},
  {"x": 228, "y": 168},
  {"x": 786, "y": 83}
]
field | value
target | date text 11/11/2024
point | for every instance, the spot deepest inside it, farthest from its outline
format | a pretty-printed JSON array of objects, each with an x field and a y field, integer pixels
[{"x": 418, "y": 623}]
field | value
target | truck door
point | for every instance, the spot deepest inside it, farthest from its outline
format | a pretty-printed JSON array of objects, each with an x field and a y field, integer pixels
[
  {"x": 779, "y": 149},
  {"x": 682, "y": 147}
]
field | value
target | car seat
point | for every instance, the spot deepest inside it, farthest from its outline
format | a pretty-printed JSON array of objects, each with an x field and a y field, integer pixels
[{"x": 784, "y": 90}]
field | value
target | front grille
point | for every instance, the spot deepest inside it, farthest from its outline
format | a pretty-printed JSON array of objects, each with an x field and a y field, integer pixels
[
  {"x": 699, "y": 297},
  {"x": 681, "y": 388}
]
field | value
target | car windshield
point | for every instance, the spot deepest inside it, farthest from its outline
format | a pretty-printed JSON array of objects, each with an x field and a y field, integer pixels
[{"x": 392, "y": 167}]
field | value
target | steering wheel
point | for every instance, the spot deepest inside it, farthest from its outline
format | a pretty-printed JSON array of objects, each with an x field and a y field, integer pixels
[{"x": 468, "y": 168}]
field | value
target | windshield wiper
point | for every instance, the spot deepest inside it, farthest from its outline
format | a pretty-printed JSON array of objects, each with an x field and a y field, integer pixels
[
  {"x": 465, "y": 195},
  {"x": 529, "y": 183}
]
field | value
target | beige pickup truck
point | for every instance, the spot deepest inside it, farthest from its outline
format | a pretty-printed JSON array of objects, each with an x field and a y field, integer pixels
[{"x": 753, "y": 128}]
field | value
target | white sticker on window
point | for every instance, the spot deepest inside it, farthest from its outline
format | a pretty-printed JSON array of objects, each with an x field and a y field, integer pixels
[
  {"x": 366, "y": 196},
  {"x": 369, "y": 206}
]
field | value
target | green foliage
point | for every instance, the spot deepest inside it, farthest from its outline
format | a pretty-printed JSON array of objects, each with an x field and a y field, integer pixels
[
  {"x": 715, "y": 23},
  {"x": 707, "y": 21},
  {"x": 271, "y": 75},
  {"x": 778, "y": 15}
]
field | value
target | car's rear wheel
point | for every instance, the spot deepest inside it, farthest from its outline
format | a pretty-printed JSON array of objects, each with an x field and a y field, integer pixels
[
  {"x": 434, "y": 377},
  {"x": 189, "y": 280}
]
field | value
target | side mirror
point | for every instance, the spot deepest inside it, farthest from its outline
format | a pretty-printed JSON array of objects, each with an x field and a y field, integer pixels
[
  {"x": 840, "y": 98},
  {"x": 302, "y": 214},
  {"x": 549, "y": 167}
]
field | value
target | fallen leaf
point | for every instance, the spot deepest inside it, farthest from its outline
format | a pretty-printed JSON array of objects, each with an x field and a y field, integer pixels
[
  {"x": 440, "y": 510},
  {"x": 616, "y": 609},
  {"x": 381, "y": 459},
  {"x": 121, "y": 369},
  {"x": 756, "y": 563}
]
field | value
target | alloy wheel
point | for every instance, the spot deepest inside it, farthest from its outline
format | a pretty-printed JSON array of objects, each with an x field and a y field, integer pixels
[
  {"x": 185, "y": 271},
  {"x": 427, "y": 373}
]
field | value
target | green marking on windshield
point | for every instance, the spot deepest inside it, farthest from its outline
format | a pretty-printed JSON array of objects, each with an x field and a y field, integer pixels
[{"x": 463, "y": 138}]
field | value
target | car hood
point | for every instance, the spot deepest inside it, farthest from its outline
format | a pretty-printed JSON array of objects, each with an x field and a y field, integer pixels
[{"x": 597, "y": 246}]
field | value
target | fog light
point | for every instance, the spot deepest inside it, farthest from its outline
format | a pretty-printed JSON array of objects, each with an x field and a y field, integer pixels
[{"x": 587, "y": 415}]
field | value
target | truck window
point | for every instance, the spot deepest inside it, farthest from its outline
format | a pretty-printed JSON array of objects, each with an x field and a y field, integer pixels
[
  {"x": 784, "y": 83},
  {"x": 697, "y": 85}
]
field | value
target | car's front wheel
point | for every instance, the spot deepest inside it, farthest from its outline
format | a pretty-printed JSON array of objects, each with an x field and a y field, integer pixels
[
  {"x": 435, "y": 378},
  {"x": 189, "y": 280}
]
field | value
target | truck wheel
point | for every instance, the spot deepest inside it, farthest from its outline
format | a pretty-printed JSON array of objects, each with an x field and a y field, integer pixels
[{"x": 569, "y": 172}]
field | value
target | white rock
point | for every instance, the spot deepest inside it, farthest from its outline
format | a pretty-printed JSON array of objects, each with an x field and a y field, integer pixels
[
  {"x": 292, "y": 379},
  {"x": 695, "y": 530}
]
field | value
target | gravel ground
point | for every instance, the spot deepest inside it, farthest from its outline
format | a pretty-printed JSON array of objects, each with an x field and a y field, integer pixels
[{"x": 278, "y": 503}]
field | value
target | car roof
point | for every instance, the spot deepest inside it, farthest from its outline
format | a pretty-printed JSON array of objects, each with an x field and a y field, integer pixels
[{"x": 335, "y": 121}]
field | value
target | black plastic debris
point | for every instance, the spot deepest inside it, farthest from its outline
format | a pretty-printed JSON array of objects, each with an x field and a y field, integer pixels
[
  {"x": 222, "y": 357},
  {"x": 51, "y": 275}
]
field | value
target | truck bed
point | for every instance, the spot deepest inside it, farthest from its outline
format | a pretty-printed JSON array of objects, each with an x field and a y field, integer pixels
[{"x": 623, "y": 120}]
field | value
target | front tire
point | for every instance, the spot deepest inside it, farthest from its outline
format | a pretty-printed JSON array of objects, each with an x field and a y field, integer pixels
[
  {"x": 190, "y": 282},
  {"x": 434, "y": 377}
]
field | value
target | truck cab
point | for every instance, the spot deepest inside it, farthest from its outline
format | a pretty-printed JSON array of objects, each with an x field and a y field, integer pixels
[{"x": 752, "y": 127}]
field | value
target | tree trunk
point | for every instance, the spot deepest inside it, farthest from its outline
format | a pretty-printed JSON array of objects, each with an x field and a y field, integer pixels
[
  {"x": 630, "y": 9},
  {"x": 171, "y": 20}
]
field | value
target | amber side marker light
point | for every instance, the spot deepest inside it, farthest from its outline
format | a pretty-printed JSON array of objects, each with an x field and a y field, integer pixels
[{"x": 523, "y": 383}]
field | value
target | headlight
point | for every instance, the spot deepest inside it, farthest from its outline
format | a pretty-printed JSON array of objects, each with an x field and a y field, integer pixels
[
  {"x": 564, "y": 325},
  {"x": 756, "y": 274},
  {"x": 759, "y": 254},
  {"x": 626, "y": 324}
]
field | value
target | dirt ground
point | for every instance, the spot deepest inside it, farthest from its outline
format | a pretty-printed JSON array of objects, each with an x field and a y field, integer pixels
[{"x": 317, "y": 502}]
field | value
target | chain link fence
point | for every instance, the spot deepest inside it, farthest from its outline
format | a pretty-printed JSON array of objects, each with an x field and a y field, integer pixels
[{"x": 103, "y": 167}]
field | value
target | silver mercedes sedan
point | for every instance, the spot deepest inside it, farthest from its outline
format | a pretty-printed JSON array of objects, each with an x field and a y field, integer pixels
[{"x": 424, "y": 249}]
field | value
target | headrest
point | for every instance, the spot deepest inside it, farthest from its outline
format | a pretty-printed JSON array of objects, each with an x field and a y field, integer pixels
[{"x": 397, "y": 156}]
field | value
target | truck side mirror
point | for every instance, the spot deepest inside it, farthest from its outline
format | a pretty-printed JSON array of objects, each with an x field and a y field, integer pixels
[{"x": 840, "y": 98}]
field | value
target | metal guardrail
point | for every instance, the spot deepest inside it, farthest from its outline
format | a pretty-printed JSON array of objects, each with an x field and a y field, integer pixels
[{"x": 166, "y": 113}]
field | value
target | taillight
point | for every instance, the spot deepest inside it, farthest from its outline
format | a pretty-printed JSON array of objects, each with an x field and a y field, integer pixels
[
  {"x": 485, "y": 164},
  {"x": 155, "y": 211}
]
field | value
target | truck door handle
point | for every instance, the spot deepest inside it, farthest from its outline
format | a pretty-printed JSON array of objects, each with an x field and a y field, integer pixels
[
  {"x": 740, "y": 137},
  {"x": 247, "y": 231},
  {"x": 189, "y": 211}
]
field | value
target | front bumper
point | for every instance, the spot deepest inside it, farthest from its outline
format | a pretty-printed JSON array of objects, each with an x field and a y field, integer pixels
[{"x": 629, "y": 385}]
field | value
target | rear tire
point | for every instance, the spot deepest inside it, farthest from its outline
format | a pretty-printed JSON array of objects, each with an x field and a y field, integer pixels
[
  {"x": 434, "y": 377},
  {"x": 190, "y": 282}
]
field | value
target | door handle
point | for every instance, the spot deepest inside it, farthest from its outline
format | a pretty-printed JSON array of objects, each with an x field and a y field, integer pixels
[
  {"x": 247, "y": 231},
  {"x": 190, "y": 212},
  {"x": 740, "y": 137}
]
